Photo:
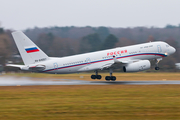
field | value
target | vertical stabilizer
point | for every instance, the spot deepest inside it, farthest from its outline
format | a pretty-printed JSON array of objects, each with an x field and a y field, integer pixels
[{"x": 30, "y": 53}]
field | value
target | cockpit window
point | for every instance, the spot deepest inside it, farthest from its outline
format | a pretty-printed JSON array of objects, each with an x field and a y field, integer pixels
[{"x": 167, "y": 45}]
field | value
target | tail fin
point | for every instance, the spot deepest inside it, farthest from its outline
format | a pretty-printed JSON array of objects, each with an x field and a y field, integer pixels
[{"x": 30, "y": 53}]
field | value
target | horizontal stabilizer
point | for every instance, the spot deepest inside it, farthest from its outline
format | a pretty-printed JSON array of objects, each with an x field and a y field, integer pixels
[
  {"x": 13, "y": 65},
  {"x": 24, "y": 67}
]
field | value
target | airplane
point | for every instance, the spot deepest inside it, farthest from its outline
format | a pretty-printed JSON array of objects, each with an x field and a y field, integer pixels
[{"x": 132, "y": 58}]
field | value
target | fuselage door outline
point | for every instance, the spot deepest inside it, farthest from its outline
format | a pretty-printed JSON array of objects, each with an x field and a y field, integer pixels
[
  {"x": 159, "y": 48},
  {"x": 55, "y": 66}
]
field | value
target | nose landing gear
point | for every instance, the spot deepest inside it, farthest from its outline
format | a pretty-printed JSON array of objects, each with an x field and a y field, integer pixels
[
  {"x": 157, "y": 68},
  {"x": 158, "y": 60}
]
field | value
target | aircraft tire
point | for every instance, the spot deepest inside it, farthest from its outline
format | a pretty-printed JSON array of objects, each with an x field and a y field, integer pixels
[
  {"x": 108, "y": 78},
  {"x": 98, "y": 77},
  {"x": 93, "y": 76},
  {"x": 113, "y": 78},
  {"x": 157, "y": 68}
]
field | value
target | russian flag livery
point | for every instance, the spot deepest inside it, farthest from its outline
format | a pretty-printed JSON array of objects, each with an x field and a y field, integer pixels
[{"x": 32, "y": 49}]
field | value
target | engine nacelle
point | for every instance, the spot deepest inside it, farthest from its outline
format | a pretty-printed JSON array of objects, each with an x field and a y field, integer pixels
[{"x": 137, "y": 66}]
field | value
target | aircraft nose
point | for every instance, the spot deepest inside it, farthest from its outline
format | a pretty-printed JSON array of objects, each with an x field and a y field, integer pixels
[{"x": 173, "y": 50}]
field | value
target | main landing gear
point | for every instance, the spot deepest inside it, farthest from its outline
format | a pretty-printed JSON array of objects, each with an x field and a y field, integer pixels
[
  {"x": 108, "y": 78},
  {"x": 158, "y": 60},
  {"x": 96, "y": 76}
]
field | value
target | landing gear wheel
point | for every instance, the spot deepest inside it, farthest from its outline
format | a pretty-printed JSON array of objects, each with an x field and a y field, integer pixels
[
  {"x": 98, "y": 77},
  {"x": 158, "y": 60},
  {"x": 157, "y": 68},
  {"x": 113, "y": 78},
  {"x": 108, "y": 78},
  {"x": 93, "y": 76}
]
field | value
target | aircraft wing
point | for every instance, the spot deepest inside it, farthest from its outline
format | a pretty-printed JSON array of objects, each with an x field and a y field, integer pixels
[{"x": 116, "y": 64}]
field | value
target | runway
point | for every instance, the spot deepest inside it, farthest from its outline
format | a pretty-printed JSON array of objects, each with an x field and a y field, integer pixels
[{"x": 25, "y": 81}]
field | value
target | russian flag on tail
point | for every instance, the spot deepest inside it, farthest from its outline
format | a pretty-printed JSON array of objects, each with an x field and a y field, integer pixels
[{"x": 32, "y": 49}]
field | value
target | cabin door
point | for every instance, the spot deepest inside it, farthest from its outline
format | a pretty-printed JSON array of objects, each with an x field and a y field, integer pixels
[
  {"x": 159, "y": 48},
  {"x": 55, "y": 66}
]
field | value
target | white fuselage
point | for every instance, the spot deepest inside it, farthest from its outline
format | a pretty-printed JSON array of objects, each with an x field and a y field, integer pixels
[{"x": 97, "y": 60}]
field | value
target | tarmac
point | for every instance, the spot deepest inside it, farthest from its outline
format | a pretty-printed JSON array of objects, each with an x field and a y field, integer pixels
[{"x": 25, "y": 81}]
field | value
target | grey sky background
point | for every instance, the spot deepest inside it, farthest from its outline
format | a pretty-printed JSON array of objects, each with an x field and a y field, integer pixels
[{"x": 23, "y": 14}]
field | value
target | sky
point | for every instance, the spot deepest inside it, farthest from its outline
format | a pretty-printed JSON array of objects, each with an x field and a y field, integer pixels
[{"x": 23, "y": 14}]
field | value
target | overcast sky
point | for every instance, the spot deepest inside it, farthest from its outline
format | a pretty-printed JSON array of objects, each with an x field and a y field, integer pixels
[{"x": 23, "y": 14}]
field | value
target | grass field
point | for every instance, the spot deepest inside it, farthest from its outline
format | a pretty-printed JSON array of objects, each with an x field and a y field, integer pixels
[
  {"x": 93, "y": 102},
  {"x": 120, "y": 76}
]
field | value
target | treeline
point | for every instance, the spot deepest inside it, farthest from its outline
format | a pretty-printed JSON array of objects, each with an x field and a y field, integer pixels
[
  {"x": 64, "y": 41},
  {"x": 6, "y": 46}
]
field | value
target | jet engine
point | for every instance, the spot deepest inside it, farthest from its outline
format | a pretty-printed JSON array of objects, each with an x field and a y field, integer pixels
[{"x": 137, "y": 66}]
